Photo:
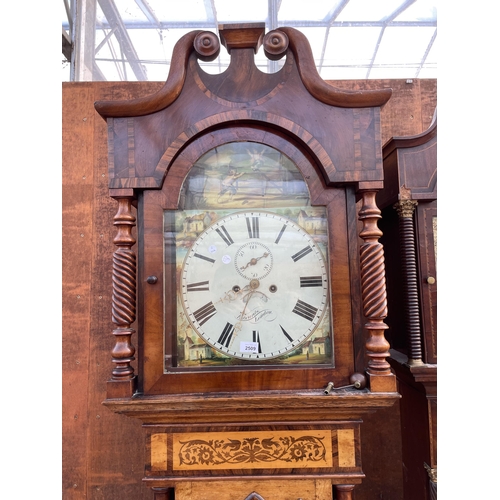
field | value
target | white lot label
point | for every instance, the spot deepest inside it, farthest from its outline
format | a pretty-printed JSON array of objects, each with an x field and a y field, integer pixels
[{"x": 250, "y": 347}]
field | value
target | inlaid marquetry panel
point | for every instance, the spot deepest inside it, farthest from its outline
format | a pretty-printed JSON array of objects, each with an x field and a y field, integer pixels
[
  {"x": 329, "y": 450},
  {"x": 252, "y": 450}
]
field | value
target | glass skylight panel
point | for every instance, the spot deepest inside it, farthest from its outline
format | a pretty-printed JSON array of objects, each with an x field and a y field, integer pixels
[
  {"x": 231, "y": 11},
  {"x": 151, "y": 44},
  {"x": 175, "y": 11},
  {"x": 393, "y": 72},
  {"x": 403, "y": 46},
  {"x": 156, "y": 71},
  {"x": 309, "y": 10},
  {"x": 421, "y": 10},
  {"x": 347, "y": 46},
  {"x": 316, "y": 39},
  {"x": 130, "y": 11},
  {"x": 115, "y": 71},
  {"x": 351, "y": 46},
  {"x": 343, "y": 73},
  {"x": 368, "y": 10},
  {"x": 109, "y": 48},
  {"x": 170, "y": 37}
]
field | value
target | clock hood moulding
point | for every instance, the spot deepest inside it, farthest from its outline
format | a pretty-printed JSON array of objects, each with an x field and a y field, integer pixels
[
  {"x": 276, "y": 44},
  {"x": 147, "y": 133}
]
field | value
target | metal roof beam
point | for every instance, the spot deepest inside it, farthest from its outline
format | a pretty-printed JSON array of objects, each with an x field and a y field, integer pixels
[
  {"x": 69, "y": 15},
  {"x": 335, "y": 12},
  {"x": 148, "y": 12},
  {"x": 67, "y": 46},
  {"x": 97, "y": 74},
  {"x": 211, "y": 12},
  {"x": 374, "y": 55},
  {"x": 83, "y": 41},
  {"x": 429, "y": 47},
  {"x": 398, "y": 11},
  {"x": 105, "y": 40},
  {"x": 272, "y": 23},
  {"x": 113, "y": 16}
]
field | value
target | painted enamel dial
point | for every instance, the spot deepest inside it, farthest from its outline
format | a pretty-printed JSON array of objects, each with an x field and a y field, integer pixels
[{"x": 254, "y": 285}]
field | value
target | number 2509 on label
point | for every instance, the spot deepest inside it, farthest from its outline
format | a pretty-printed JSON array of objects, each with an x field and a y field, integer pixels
[{"x": 249, "y": 346}]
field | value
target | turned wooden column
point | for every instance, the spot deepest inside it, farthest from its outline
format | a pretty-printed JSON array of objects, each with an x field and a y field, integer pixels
[
  {"x": 344, "y": 491},
  {"x": 122, "y": 383},
  {"x": 406, "y": 209},
  {"x": 163, "y": 493},
  {"x": 374, "y": 296}
]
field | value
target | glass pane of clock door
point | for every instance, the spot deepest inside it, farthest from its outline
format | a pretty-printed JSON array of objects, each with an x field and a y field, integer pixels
[{"x": 250, "y": 254}]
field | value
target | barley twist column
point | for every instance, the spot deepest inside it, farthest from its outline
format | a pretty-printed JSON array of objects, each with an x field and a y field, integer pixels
[
  {"x": 405, "y": 209},
  {"x": 374, "y": 296},
  {"x": 123, "y": 299}
]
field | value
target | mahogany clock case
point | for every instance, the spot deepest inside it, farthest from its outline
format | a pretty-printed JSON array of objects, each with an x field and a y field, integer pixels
[{"x": 339, "y": 205}]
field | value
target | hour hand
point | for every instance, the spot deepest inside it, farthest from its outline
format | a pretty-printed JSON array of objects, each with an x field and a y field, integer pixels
[{"x": 254, "y": 261}]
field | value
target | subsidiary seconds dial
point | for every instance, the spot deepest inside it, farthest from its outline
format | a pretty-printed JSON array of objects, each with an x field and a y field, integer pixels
[{"x": 254, "y": 285}]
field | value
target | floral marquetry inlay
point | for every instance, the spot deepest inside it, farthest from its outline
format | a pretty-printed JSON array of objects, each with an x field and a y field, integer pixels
[{"x": 255, "y": 450}]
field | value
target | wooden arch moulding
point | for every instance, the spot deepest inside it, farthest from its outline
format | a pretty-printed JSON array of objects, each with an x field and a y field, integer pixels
[{"x": 215, "y": 172}]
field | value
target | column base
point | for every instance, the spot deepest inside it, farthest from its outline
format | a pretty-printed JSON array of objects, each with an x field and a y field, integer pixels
[
  {"x": 118, "y": 389},
  {"x": 382, "y": 383}
]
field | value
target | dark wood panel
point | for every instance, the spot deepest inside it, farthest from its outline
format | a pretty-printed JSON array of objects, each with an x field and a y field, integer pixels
[
  {"x": 427, "y": 212},
  {"x": 382, "y": 463},
  {"x": 396, "y": 317},
  {"x": 416, "y": 444},
  {"x": 77, "y": 247},
  {"x": 114, "y": 462},
  {"x": 410, "y": 108},
  {"x": 97, "y": 461}
]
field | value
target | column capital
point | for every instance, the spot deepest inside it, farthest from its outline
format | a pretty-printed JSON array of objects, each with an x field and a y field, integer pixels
[{"x": 405, "y": 208}]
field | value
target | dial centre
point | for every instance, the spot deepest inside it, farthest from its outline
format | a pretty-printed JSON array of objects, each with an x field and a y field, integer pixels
[
  {"x": 253, "y": 260},
  {"x": 254, "y": 284}
]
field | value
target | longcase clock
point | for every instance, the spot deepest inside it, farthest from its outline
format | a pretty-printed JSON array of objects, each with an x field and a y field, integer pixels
[
  {"x": 409, "y": 206},
  {"x": 248, "y": 279}
]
